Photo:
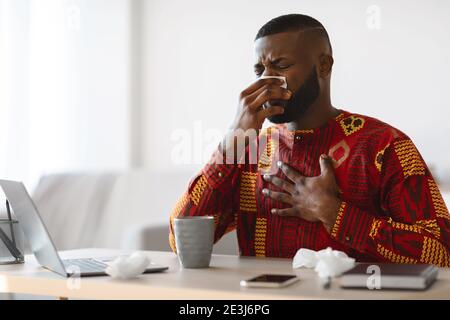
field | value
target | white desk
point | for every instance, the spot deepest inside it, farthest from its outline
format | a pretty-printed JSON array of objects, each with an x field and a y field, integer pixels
[{"x": 220, "y": 281}]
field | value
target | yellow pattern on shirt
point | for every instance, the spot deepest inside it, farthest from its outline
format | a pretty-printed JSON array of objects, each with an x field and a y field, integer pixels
[
  {"x": 352, "y": 124},
  {"x": 394, "y": 257},
  {"x": 438, "y": 201},
  {"x": 247, "y": 201},
  {"x": 409, "y": 158},
  {"x": 197, "y": 191},
  {"x": 434, "y": 252},
  {"x": 260, "y": 237}
]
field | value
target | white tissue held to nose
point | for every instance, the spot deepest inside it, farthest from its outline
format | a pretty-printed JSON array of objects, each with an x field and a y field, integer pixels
[
  {"x": 128, "y": 267},
  {"x": 284, "y": 85},
  {"x": 326, "y": 262}
]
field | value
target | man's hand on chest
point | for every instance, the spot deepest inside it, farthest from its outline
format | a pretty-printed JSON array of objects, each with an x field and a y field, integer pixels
[{"x": 312, "y": 198}]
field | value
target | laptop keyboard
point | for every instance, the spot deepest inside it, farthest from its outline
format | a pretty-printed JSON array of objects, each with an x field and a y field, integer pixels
[{"x": 85, "y": 265}]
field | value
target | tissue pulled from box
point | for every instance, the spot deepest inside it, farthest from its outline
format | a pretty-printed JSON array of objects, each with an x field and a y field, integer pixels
[
  {"x": 127, "y": 267},
  {"x": 326, "y": 262}
]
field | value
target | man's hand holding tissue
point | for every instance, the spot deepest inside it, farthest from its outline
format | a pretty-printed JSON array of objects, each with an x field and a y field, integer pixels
[
  {"x": 251, "y": 114},
  {"x": 312, "y": 198}
]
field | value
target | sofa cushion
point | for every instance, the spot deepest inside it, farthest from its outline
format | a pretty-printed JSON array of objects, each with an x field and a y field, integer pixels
[{"x": 72, "y": 206}]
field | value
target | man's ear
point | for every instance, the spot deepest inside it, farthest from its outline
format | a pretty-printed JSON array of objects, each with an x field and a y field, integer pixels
[{"x": 325, "y": 65}]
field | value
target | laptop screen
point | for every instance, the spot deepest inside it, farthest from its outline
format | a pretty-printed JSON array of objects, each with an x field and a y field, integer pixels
[{"x": 32, "y": 225}]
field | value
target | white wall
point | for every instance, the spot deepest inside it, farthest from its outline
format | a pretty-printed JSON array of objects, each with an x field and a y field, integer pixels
[
  {"x": 104, "y": 84},
  {"x": 14, "y": 70},
  {"x": 80, "y": 59},
  {"x": 68, "y": 106},
  {"x": 197, "y": 57}
]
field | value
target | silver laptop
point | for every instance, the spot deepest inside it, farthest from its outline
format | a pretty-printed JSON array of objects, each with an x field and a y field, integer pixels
[{"x": 40, "y": 242}]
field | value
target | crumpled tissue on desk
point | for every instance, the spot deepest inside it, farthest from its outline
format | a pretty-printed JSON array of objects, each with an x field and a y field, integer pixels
[
  {"x": 127, "y": 267},
  {"x": 326, "y": 262}
]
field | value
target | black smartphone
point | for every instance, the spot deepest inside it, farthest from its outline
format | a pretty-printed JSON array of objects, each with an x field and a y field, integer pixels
[{"x": 270, "y": 281}]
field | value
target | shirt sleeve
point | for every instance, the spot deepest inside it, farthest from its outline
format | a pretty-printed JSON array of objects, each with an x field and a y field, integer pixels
[
  {"x": 414, "y": 225},
  {"x": 210, "y": 193}
]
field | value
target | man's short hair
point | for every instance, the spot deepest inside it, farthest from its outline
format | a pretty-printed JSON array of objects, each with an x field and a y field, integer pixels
[{"x": 293, "y": 22}]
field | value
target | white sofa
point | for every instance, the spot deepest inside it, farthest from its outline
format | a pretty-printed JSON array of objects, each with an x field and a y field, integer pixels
[{"x": 127, "y": 210}]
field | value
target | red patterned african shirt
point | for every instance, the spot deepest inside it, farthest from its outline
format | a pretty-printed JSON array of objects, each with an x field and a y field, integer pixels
[{"x": 392, "y": 209}]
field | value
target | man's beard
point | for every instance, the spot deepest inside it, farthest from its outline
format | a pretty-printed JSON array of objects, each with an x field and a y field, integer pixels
[{"x": 301, "y": 100}]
